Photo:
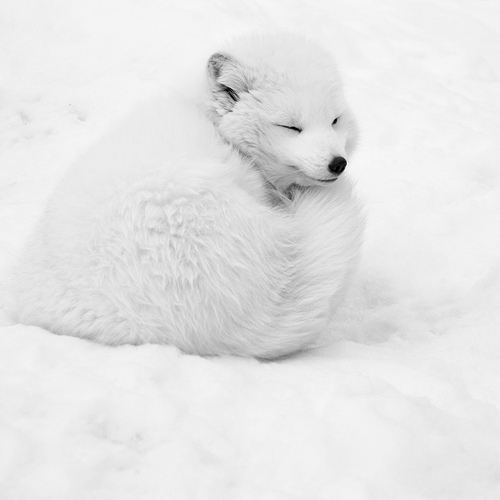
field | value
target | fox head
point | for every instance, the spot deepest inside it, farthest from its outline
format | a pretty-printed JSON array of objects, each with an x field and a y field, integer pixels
[{"x": 278, "y": 100}]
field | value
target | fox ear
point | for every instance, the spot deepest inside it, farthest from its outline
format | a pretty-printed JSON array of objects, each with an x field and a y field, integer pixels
[{"x": 228, "y": 79}]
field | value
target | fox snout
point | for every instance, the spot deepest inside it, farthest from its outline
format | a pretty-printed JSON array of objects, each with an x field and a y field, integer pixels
[{"x": 337, "y": 165}]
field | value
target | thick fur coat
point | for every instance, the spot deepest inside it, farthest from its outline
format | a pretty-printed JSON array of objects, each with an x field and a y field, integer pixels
[{"x": 216, "y": 228}]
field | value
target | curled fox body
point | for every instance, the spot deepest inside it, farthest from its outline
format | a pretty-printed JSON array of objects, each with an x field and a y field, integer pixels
[{"x": 164, "y": 233}]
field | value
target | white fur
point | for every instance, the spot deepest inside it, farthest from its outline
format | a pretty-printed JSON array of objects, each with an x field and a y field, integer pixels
[
  {"x": 283, "y": 80},
  {"x": 165, "y": 233}
]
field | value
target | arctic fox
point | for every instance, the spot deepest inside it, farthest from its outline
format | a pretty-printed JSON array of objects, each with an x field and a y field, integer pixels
[{"x": 225, "y": 228}]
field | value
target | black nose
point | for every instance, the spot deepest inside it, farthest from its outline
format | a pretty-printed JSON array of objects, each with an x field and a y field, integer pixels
[{"x": 337, "y": 165}]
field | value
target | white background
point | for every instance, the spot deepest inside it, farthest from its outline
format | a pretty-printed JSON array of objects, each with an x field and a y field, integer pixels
[{"x": 405, "y": 403}]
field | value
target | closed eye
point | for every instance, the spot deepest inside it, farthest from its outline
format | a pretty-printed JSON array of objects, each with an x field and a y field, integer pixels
[{"x": 289, "y": 127}]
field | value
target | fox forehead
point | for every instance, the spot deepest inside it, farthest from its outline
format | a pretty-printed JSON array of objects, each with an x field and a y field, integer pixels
[{"x": 301, "y": 103}]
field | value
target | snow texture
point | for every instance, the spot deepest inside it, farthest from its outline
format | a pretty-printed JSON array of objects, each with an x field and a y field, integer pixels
[{"x": 403, "y": 400}]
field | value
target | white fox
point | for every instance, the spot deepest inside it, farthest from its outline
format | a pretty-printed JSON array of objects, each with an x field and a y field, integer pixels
[{"x": 220, "y": 230}]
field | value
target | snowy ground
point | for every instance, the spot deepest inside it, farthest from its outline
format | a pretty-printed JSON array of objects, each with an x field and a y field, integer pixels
[{"x": 405, "y": 404}]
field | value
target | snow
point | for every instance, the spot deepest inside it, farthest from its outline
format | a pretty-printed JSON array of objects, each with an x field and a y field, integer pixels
[{"x": 403, "y": 400}]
